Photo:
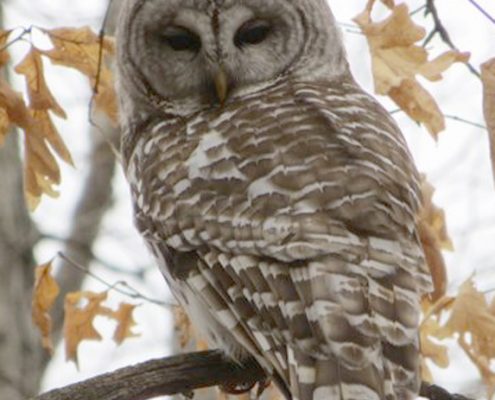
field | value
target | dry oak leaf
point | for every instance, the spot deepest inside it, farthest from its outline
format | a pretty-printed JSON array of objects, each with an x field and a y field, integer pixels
[
  {"x": 397, "y": 60},
  {"x": 471, "y": 315},
  {"x": 40, "y": 96},
  {"x": 125, "y": 321},
  {"x": 434, "y": 238},
  {"x": 15, "y": 110},
  {"x": 83, "y": 50},
  {"x": 78, "y": 323},
  {"x": 45, "y": 293},
  {"x": 389, "y": 3},
  {"x": 4, "y": 125},
  {"x": 4, "y": 54},
  {"x": 488, "y": 79},
  {"x": 430, "y": 350},
  {"x": 4, "y": 58},
  {"x": 472, "y": 319},
  {"x": 41, "y": 170}
]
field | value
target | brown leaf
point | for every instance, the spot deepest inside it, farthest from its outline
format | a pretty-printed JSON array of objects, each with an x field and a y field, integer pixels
[
  {"x": 471, "y": 315},
  {"x": 4, "y": 54},
  {"x": 4, "y": 125},
  {"x": 40, "y": 95},
  {"x": 78, "y": 323},
  {"x": 13, "y": 110},
  {"x": 434, "y": 237},
  {"x": 434, "y": 259},
  {"x": 483, "y": 363},
  {"x": 416, "y": 102},
  {"x": 41, "y": 170},
  {"x": 125, "y": 323},
  {"x": 182, "y": 326},
  {"x": 434, "y": 216},
  {"x": 389, "y": 3},
  {"x": 437, "y": 353},
  {"x": 397, "y": 60},
  {"x": 488, "y": 79},
  {"x": 80, "y": 49},
  {"x": 14, "y": 106},
  {"x": 45, "y": 292}
]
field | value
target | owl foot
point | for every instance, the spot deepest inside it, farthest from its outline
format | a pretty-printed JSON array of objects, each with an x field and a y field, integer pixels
[{"x": 237, "y": 389}]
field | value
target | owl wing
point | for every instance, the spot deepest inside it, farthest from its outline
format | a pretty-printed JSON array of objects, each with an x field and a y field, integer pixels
[{"x": 295, "y": 214}]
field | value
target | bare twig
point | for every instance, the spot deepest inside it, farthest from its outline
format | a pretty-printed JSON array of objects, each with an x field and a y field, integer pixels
[
  {"x": 181, "y": 375},
  {"x": 482, "y": 10},
  {"x": 465, "y": 121},
  {"x": 439, "y": 29},
  {"x": 121, "y": 287}
]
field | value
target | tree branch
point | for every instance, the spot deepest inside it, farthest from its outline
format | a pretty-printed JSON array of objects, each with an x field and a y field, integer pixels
[
  {"x": 434, "y": 392},
  {"x": 181, "y": 374},
  {"x": 166, "y": 376},
  {"x": 444, "y": 35}
]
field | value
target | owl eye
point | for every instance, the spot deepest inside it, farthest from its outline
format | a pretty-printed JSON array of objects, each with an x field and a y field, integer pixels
[
  {"x": 181, "y": 39},
  {"x": 252, "y": 32}
]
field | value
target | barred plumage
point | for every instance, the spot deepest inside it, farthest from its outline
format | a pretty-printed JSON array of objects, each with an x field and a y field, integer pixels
[{"x": 283, "y": 218}]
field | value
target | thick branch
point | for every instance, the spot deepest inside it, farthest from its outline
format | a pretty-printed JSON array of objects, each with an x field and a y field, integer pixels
[
  {"x": 180, "y": 374},
  {"x": 167, "y": 376}
]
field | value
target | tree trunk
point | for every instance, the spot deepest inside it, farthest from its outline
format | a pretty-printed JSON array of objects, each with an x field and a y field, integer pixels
[
  {"x": 20, "y": 349},
  {"x": 22, "y": 359}
]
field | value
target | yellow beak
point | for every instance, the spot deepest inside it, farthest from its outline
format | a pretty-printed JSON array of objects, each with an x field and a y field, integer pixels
[{"x": 221, "y": 85}]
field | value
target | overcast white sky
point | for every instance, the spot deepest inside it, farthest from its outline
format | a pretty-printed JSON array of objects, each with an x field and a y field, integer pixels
[{"x": 458, "y": 165}]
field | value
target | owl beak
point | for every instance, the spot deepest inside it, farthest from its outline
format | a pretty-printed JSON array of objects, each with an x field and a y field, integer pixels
[{"x": 221, "y": 85}]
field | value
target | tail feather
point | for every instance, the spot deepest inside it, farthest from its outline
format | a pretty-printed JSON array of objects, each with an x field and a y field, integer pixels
[
  {"x": 326, "y": 329},
  {"x": 313, "y": 379}
]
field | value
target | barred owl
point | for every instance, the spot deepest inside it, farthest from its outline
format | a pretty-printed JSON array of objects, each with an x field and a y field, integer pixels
[{"x": 278, "y": 198}]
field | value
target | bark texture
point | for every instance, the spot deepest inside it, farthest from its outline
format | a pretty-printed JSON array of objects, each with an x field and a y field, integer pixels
[
  {"x": 181, "y": 374},
  {"x": 20, "y": 349}
]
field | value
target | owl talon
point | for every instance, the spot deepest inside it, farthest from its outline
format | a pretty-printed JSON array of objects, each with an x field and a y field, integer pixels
[
  {"x": 247, "y": 387},
  {"x": 262, "y": 386},
  {"x": 237, "y": 389},
  {"x": 189, "y": 395}
]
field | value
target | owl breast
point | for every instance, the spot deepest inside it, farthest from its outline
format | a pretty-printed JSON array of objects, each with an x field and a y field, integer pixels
[{"x": 295, "y": 172}]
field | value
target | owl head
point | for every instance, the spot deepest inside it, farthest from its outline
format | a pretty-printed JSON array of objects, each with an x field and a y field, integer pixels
[{"x": 180, "y": 56}]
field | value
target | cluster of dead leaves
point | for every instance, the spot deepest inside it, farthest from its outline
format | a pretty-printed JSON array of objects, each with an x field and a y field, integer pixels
[
  {"x": 471, "y": 321},
  {"x": 81, "y": 309},
  {"x": 79, "y": 49},
  {"x": 397, "y": 60}
]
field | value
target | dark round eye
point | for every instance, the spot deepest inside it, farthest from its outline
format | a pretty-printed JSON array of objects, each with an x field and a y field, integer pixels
[
  {"x": 181, "y": 39},
  {"x": 252, "y": 32}
]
